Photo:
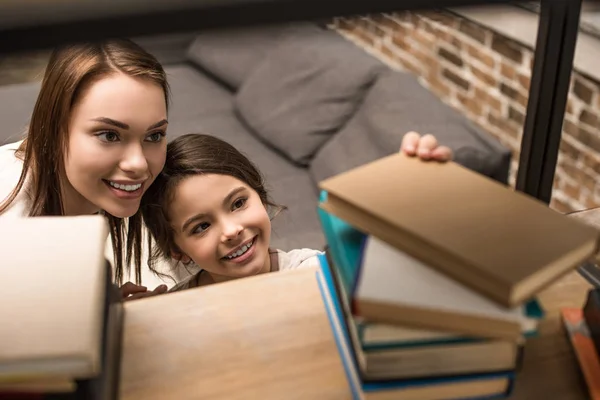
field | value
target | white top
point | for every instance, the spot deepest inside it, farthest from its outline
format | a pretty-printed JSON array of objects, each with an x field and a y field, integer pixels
[
  {"x": 280, "y": 261},
  {"x": 10, "y": 171}
]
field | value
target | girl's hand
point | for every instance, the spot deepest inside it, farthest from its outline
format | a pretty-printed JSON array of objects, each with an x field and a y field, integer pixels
[
  {"x": 426, "y": 147},
  {"x": 131, "y": 291}
]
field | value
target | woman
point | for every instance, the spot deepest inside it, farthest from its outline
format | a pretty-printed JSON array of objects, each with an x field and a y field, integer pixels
[{"x": 95, "y": 143}]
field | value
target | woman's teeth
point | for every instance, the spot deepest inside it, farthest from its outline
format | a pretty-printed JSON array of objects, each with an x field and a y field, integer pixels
[
  {"x": 240, "y": 251},
  {"x": 127, "y": 188}
]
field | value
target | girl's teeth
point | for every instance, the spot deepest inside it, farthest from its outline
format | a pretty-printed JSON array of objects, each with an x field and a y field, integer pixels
[
  {"x": 240, "y": 251},
  {"x": 127, "y": 188}
]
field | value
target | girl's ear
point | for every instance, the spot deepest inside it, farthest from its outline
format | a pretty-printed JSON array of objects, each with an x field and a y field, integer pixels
[{"x": 181, "y": 257}]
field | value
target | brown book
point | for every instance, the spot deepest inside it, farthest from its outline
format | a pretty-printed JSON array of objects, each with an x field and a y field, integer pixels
[
  {"x": 54, "y": 278},
  {"x": 498, "y": 241}
]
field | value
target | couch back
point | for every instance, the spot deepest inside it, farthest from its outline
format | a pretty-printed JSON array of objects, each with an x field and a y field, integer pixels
[{"x": 327, "y": 105}]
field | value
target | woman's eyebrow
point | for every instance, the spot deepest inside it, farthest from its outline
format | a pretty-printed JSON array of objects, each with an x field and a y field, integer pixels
[
  {"x": 111, "y": 121},
  {"x": 158, "y": 124},
  {"x": 123, "y": 125}
]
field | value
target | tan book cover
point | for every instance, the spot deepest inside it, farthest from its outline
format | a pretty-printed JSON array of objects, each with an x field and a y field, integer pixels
[
  {"x": 53, "y": 273},
  {"x": 498, "y": 241}
]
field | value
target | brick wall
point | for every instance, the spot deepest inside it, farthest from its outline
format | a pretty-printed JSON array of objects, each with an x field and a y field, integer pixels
[{"x": 486, "y": 76}]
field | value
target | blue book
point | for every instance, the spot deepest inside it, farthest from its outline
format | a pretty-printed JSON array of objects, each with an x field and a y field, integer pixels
[
  {"x": 347, "y": 247},
  {"x": 474, "y": 386}
]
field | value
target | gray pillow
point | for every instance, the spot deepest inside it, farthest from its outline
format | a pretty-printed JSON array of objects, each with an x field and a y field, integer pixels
[
  {"x": 307, "y": 88},
  {"x": 396, "y": 104},
  {"x": 233, "y": 53},
  {"x": 351, "y": 147}
]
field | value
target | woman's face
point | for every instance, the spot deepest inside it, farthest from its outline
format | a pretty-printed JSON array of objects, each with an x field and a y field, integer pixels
[
  {"x": 222, "y": 225},
  {"x": 116, "y": 145}
]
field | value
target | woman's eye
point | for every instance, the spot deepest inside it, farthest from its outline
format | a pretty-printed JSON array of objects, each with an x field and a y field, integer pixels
[
  {"x": 108, "y": 136},
  {"x": 239, "y": 203},
  {"x": 156, "y": 137},
  {"x": 201, "y": 227}
]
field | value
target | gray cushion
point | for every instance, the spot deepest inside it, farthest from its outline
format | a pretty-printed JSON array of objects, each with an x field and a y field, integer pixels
[
  {"x": 231, "y": 54},
  {"x": 194, "y": 94},
  {"x": 167, "y": 48},
  {"x": 306, "y": 90},
  {"x": 17, "y": 105},
  {"x": 396, "y": 104}
]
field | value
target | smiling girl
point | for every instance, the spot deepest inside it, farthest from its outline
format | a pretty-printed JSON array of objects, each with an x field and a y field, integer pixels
[{"x": 209, "y": 206}]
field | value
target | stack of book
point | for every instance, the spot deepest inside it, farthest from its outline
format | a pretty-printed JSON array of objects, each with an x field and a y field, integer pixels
[
  {"x": 433, "y": 271},
  {"x": 61, "y": 315}
]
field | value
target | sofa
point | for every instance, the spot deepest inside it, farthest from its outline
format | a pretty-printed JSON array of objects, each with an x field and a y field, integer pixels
[{"x": 302, "y": 102}]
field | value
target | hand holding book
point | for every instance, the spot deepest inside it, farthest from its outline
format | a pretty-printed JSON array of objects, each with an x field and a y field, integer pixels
[{"x": 426, "y": 147}]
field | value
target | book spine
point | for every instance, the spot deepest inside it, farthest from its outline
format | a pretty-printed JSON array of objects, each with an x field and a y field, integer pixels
[{"x": 342, "y": 341}]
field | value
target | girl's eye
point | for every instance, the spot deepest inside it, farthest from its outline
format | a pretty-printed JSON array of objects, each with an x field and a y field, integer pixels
[
  {"x": 108, "y": 136},
  {"x": 239, "y": 203},
  {"x": 156, "y": 137},
  {"x": 201, "y": 227}
]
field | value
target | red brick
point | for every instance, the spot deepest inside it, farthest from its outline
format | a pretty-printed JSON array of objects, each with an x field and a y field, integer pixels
[
  {"x": 485, "y": 97},
  {"x": 578, "y": 175},
  {"x": 481, "y": 56},
  {"x": 513, "y": 94},
  {"x": 484, "y": 77},
  {"x": 401, "y": 41},
  {"x": 524, "y": 81},
  {"x": 450, "y": 56},
  {"x": 568, "y": 150},
  {"x": 474, "y": 31},
  {"x": 441, "y": 89},
  {"x": 507, "y": 48},
  {"x": 516, "y": 115},
  {"x": 503, "y": 124},
  {"x": 507, "y": 71},
  {"x": 364, "y": 35},
  {"x": 589, "y": 118},
  {"x": 442, "y": 18},
  {"x": 582, "y": 90},
  {"x": 590, "y": 202},
  {"x": 456, "y": 79},
  {"x": 570, "y": 108},
  {"x": 591, "y": 160},
  {"x": 471, "y": 104},
  {"x": 560, "y": 206},
  {"x": 571, "y": 191}
]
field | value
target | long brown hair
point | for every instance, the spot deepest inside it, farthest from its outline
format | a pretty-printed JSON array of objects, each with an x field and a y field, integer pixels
[
  {"x": 188, "y": 155},
  {"x": 70, "y": 70}
]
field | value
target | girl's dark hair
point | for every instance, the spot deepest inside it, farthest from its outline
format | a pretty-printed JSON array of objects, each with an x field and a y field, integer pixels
[
  {"x": 71, "y": 69},
  {"x": 189, "y": 155}
]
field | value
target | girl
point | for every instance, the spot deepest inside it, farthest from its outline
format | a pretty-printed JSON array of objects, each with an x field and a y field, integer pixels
[
  {"x": 95, "y": 143},
  {"x": 209, "y": 206}
]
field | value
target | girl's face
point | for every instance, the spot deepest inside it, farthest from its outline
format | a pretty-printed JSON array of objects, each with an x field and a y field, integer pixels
[
  {"x": 222, "y": 225},
  {"x": 116, "y": 146}
]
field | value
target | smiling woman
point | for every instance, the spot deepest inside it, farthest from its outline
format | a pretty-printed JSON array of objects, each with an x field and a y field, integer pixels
[
  {"x": 95, "y": 143},
  {"x": 110, "y": 161}
]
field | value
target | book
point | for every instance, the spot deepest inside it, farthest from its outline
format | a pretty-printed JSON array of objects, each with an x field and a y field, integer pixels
[
  {"x": 103, "y": 386},
  {"x": 415, "y": 353},
  {"x": 583, "y": 347},
  {"x": 473, "y": 386},
  {"x": 57, "y": 301},
  {"x": 347, "y": 248},
  {"x": 395, "y": 288},
  {"x": 500, "y": 242}
]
